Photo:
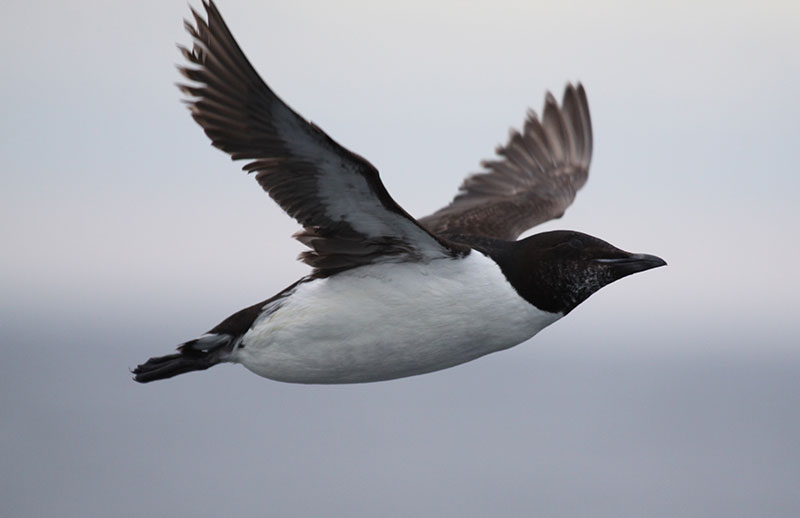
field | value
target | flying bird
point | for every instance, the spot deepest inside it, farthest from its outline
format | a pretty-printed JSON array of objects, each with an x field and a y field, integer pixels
[{"x": 388, "y": 295}]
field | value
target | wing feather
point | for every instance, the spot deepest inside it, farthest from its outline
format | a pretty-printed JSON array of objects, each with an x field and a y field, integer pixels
[
  {"x": 349, "y": 217},
  {"x": 535, "y": 178}
]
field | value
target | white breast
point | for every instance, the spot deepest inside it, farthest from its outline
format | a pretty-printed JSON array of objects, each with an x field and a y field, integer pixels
[{"x": 388, "y": 321}]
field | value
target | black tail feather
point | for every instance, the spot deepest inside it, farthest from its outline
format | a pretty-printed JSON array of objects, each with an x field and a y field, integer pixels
[{"x": 164, "y": 367}]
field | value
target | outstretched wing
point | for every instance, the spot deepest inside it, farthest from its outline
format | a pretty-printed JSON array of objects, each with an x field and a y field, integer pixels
[
  {"x": 534, "y": 180},
  {"x": 348, "y": 215}
]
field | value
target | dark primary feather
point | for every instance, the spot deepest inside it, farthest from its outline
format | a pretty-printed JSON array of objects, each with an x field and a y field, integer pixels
[
  {"x": 349, "y": 217},
  {"x": 534, "y": 179}
]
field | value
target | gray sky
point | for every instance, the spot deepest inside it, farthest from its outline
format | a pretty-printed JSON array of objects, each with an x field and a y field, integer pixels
[{"x": 670, "y": 393}]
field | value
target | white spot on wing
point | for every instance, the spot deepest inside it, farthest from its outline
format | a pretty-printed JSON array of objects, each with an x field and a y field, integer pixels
[{"x": 346, "y": 194}]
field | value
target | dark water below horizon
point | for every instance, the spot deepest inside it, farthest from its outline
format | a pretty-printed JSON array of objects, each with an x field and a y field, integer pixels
[{"x": 555, "y": 427}]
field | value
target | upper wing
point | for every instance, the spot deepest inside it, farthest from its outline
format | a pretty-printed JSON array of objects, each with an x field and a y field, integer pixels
[
  {"x": 535, "y": 179},
  {"x": 338, "y": 196}
]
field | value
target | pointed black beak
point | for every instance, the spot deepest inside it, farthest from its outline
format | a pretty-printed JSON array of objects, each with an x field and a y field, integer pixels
[{"x": 633, "y": 263}]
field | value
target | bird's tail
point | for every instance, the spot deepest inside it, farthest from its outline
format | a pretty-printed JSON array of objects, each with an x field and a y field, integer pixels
[{"x": 195, "y": 355}]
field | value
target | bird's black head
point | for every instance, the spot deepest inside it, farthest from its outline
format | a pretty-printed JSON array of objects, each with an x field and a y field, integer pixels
[{"x": 556, "y": 271}]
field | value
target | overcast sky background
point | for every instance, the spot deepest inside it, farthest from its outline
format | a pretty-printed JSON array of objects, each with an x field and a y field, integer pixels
[{"x": 671, "y": 393}]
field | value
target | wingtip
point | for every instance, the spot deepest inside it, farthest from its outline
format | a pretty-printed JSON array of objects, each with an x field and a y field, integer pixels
[
  {"x": 211, "y": 10},
  {"x": 582, "y": 94},
  {"x": 531, "y": 116},
  {"x": 569, "y": 91},
  {"x": 194, "y": 12}
]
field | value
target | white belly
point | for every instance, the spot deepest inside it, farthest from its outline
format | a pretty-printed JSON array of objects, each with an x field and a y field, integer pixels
[{"x": 388, "y": 321}]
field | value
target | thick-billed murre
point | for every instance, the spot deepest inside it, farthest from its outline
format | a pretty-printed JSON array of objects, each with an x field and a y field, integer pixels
[{"x": 391, "y": 296}]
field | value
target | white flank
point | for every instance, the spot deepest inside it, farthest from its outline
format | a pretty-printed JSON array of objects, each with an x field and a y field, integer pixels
[{"x": 386, "y": 321}]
